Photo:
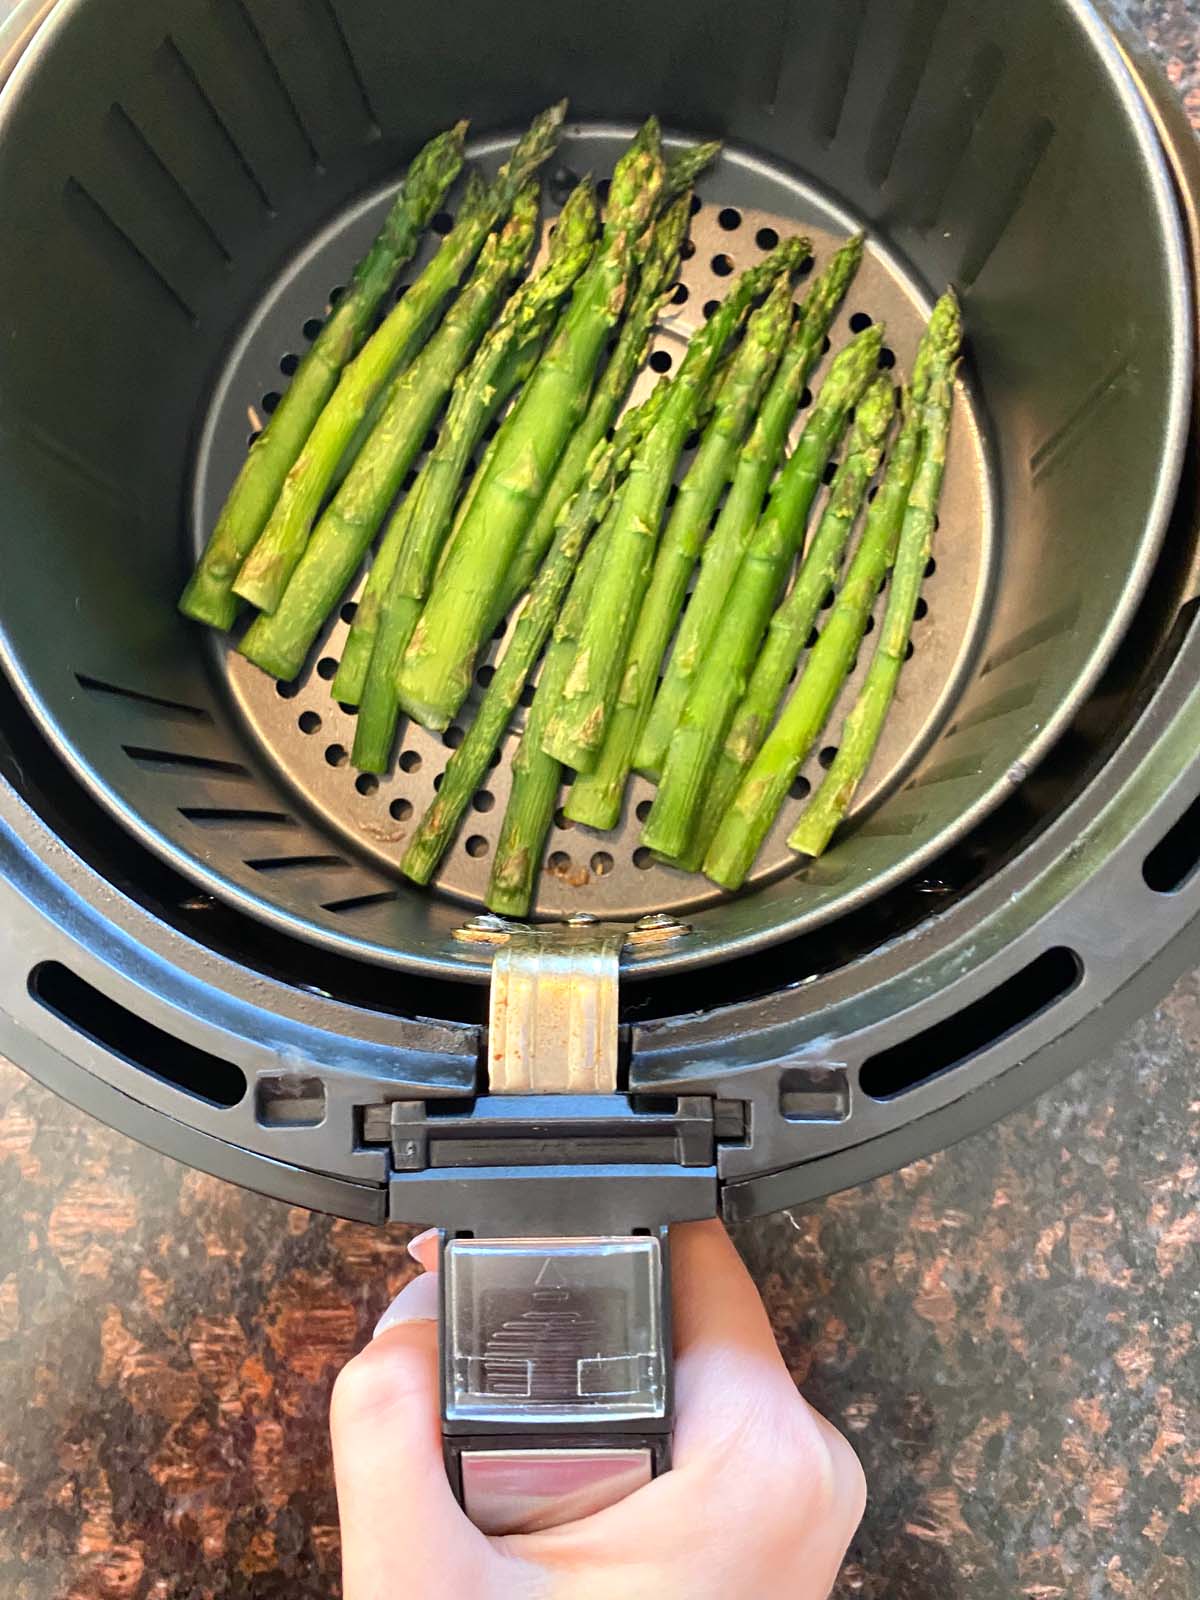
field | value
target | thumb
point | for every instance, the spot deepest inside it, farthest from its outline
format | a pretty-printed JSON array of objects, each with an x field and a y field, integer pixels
[{"x": 387, "y": 1455}]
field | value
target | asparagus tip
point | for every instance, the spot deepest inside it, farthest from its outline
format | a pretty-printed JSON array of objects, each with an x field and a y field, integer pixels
[
  {"x": 686, "y": 165},
  {"x": 945, "y": 325},
  {"x": 874, "y": 413}
]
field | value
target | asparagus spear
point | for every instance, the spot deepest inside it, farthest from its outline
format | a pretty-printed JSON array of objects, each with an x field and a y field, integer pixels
[
  {"x": 722, "y": 677},
  {"x": 437, "y": 667},
  {"x": 739, "y": 516},
  {"x": 469, "y": 762},
  {"x": 279, "y": 642},
  {"x": 657, "y": 259},
  {"x": 659, "y": 252},
  {"x": 595, "y": 799},
  {"x": 536, "y": 776},
  {"x": 685, "y": 167},
  {"x": 379, "y": 712},
  {"x": 208, "y": 597},
  {"x": 265, "y": 573},
  {"x": 860, "y": 735},
  {"x": 698, "y": 764},
  {"x": 502, "y": 362},
  {"x": 577, "y": 729},
  {"x": 763, "y": 788}
]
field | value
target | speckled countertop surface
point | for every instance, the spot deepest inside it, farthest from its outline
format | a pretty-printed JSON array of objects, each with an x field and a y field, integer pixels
[{"x": 1007, "y": 1331}]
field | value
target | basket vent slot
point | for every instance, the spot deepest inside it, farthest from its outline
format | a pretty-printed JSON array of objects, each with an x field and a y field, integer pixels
[
  {"x": 236, "y": 817},
  {"x": 1007, "y": 201},
  {"x": 152, "y": 702},
  {"x": 116, "y": 248},
  {"x": 978, "y": 1026},
  {"x": 137, "y": 1041},
  {"x": 1173, "y": 860},
  {"x": 165, "y": 760}
]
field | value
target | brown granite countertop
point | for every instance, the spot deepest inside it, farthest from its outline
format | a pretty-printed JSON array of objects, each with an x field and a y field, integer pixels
[{"x": 1007, "y": 1332}]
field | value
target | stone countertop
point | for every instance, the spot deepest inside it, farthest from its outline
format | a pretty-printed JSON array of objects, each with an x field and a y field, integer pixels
[{"x": 1007, "y": 1332}]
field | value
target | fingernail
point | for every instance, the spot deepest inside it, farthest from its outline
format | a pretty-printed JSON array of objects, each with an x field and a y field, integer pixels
[
  {"x": 416, "y": 1302},
  {"x": 415, "y": 1245}
]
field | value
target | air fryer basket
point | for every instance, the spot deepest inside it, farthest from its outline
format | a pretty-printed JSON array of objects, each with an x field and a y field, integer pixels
[{"x": 186, "y": 181}]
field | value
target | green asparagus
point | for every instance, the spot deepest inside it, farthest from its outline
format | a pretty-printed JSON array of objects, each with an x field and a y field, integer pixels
[
  {"x": 743, "y": 507},
  {"x": 379, "y": 712},
  {"x": 686, "y": 165},
  {"x": 767, "y": 783},
  {"x": 265, "y": 573},
  {"x": 595, "y": 799},
  {"x": 208, "y": 596},
  {"x": 860, "y": 735},
  {"x": 440, "y": 660},
  {"x": 722, "y": 677},
  {"x": 469, "y": 762},
  {"x": 279, "y": 642},
  {"x": 502, "y": 362},
  {"x": 659, "y": 261},
  {"x": 698, "y": 762},
  {"x": 536, "y": 776},
  {"x": 576, "y": 731}
]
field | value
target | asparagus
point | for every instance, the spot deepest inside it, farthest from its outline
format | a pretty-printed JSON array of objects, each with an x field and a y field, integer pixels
[
  {"x": 536, "y": 776},
  {"x": 756, "y": 802},
  {"x": 437, "y": 666},
  {"x": 595, "y": 800},
  {"x": 379, "y": 712},
  {"x": 469, "y": 762},
  {"x": 685, "y": 167},
  {"x": 722, "y": 677},
  {"x": 208, "y": 596},
  {"x": 279, "y": 642},
  {"x": 659, "y": 261},
  {"x": 739, "y": 516},
  {"x": 265, "y": 573},
  {"x": 698, "y": 764},
  {"x": 577, "y": 729},
  {"x": 860, "y": 735},
  {"x": 502, "y": 362}
]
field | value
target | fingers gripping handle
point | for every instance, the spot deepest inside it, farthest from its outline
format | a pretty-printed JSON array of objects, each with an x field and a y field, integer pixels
[{"x": 555, "y": 1374}]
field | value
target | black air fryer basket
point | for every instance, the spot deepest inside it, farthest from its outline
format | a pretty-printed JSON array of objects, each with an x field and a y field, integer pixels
[{"x": 207, "y": 942}]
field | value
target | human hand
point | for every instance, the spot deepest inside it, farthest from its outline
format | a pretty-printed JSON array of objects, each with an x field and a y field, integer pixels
[{"x": 762, "y": 1500}]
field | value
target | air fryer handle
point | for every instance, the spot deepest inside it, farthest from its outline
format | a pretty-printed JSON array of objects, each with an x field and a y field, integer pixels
[{"x": 555, "y": 1374}]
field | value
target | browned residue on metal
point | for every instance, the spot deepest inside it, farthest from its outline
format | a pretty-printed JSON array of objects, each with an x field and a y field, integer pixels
[{"x": 574, "y": 874}]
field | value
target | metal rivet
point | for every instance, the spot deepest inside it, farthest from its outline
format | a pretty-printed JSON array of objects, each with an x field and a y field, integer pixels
[{"x": 581, "y": 919}]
